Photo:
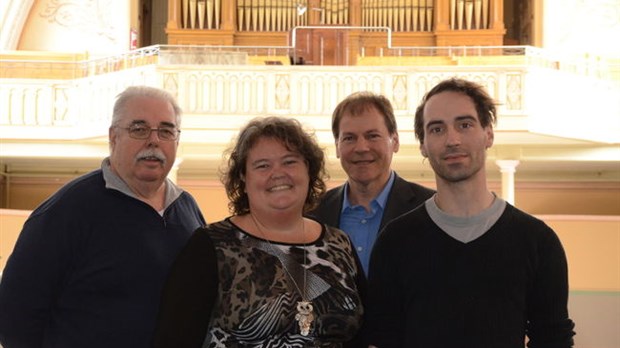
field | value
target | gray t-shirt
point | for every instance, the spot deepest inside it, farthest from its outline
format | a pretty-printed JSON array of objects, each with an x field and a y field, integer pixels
[{"x": 466, "y": 229}]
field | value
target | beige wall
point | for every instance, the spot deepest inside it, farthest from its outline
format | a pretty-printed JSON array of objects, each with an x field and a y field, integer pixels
[
  {"x": 569, "y": 198},
  {"x": 536, "y": 198},
  {"x": 11, "y": 222},
  {"x": 592, "y": 245}
]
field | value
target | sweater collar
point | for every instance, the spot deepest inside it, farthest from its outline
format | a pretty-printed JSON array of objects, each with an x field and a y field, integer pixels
[{"x": 115, "y": 182}]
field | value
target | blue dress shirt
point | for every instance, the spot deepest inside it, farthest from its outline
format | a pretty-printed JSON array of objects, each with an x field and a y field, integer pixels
[{"x": 363, "y": 226}]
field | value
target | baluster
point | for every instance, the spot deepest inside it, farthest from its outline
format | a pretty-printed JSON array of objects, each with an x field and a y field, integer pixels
[
  {"x": 459, "y": 13},
  {"x": 201, "y": 15},
  {"x": 452, "y": 14},
  {"x": 387, "y": 13},
  {"x": 192, "y": 13},
  {"x": 401, "y": 15},
  {"x": 240, "y": 8},
  {"x": 469, "y": 9},
  {"x": 429, "y": 14},
  {"x": 377, "y": 14},
  {"x": 217, "y": 13},
  {"x": 485, "y": 14},
  {"x": 284, "y": 19},
  {"x": 477, "y": 14},
  {"x": 269, "y": 15},
  {"x": 397, "y": 12},
  {"x": 334, "y": 11},
  {"x": 390, "y": 13},
  {"x": 380, "y": 6},
  {"x": 261, "y": 15},
  {"x": 374, "y": 11},
  {"x": 303, "y": 19},
  {"x": 384, "y": 13},
  {"x": 408, "y": 5},
  {"x": 282, "y": 15},
  {"x": 185, "y": 13},
  {"x": 210, "y": 13},
  {"x": 370, "y": 8},
  {"x": 416, "y": 14},
  {"x": 292, "y": 15},
  {"x": 270, "y": 12},
  {"x": 364, "y": 12},
  {"x": 276, "y": 15},
  {"x": 339, "y": 12},
  {"x": 326, "y": 13},
  {"x": 291, "y": 11},
  {"x": 248, "y": 14},
  {"x": 422, "y": 15},
  {"x": 371, "y": 13},
  {"x": 255, "y": 15}
]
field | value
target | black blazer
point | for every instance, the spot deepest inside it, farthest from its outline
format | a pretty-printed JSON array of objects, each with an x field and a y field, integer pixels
[{"x": 403, "y": 197}]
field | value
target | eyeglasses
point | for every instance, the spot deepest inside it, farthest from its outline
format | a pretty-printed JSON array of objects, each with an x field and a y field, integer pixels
[{"x": 142, "y": 132}]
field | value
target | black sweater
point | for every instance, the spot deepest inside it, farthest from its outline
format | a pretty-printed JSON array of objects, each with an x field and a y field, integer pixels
[{"x": 427, "y": 289}]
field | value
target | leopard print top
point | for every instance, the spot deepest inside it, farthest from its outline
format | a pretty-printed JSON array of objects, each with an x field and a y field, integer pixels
[{"x": 257, "y": 301}]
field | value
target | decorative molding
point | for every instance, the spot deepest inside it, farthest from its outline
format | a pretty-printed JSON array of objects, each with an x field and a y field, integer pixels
[
  {"x": 93, "y": 16},
  {"x": 13, "y": 16}
]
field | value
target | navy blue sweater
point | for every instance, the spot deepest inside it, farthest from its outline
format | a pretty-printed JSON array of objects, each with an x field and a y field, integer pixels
[
  {"x": 89, "y": 266},
  {"x": 428, "y": 290}
]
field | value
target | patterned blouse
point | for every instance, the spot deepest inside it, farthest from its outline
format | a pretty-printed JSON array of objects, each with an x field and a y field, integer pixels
[{"x": 253, "y": 302}]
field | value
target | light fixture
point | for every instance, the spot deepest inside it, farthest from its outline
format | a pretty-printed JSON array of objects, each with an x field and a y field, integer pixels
[{"x": 301, "y": 9}]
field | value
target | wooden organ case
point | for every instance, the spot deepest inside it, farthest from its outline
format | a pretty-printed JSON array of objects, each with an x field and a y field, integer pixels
[{"x": 332, "y": 32}]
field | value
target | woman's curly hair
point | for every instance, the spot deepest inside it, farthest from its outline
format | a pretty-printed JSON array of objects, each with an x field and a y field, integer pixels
[{"x": 292, "y": 135}]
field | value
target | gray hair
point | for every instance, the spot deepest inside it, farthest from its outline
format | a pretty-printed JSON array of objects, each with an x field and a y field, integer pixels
[{"x": 143, "y": 91}]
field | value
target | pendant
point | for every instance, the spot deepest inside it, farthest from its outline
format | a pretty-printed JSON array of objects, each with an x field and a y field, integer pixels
[{"x": 304, "y": 316}]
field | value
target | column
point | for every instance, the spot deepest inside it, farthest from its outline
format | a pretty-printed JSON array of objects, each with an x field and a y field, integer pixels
[{"x": 508, "y": 169}]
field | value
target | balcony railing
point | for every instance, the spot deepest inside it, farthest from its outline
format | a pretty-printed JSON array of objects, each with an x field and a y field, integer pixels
[
  {"x": 224, "y": 81},
  {"x": 285, "y": 55}
]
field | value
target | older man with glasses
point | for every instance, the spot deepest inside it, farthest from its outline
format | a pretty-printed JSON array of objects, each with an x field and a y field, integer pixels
[{"x": 90, "y": 262}]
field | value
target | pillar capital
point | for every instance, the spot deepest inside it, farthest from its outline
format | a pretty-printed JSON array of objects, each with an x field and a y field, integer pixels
[{"x": 507, "y": 166}]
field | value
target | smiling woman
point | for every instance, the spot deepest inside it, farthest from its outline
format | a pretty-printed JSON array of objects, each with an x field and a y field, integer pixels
[{"x": 266, "y": 276}]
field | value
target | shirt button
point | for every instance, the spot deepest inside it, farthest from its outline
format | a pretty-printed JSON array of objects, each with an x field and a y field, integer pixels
[
  {"x": 363, "y": 221},
  {"x": 359, "y": 248}
]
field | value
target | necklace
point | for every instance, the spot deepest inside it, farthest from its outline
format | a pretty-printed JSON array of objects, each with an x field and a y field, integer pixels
[{"x": 305, "y": 315}]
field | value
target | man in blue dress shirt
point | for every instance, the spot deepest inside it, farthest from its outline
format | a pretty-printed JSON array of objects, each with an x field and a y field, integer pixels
[{"x": 366, "y": 137}]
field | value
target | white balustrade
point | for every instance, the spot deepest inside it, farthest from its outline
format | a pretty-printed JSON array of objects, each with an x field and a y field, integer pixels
[{"x": 81, "y": 108}]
